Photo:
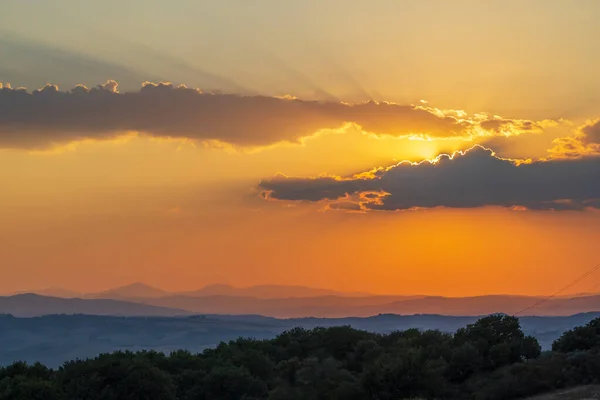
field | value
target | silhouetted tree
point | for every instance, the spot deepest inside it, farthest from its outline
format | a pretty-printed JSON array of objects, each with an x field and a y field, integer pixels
[
  {"x": 499, "y": 341},
  {"x": 580, "y": 338}
]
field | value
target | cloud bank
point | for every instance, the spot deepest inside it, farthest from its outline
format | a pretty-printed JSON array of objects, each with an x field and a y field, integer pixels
[
  {"x": 475, "y": 178},
  {"x": 47, "y": 117}
]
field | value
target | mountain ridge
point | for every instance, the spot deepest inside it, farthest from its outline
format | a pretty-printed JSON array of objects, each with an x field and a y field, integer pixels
[
  {"x": 295, "y": 307},
  {"x": 132, "y": 290},
  {"x": 143, "y": 290},
  {"x": 31, "y": 305},
  {"x": 268, "y": 291}
]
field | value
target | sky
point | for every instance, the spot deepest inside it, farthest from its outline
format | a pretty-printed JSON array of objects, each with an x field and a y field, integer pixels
[{"x": 390, "y": 147}]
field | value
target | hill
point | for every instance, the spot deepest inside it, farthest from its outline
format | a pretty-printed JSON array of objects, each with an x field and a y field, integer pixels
[
  {"x": 54, "y": 339},
  {"x": 134, "y": 290},
  {"x": 267, "y": 292},
  {"x": 336, "y": 306},
  {"x": 142, "y": 290},
  {"x": 30, "y": 305},
  {"x": 299, "y": 301},
  {"x": 491, "y": 358}
]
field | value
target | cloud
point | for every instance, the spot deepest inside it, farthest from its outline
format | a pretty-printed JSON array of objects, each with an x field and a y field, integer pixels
[
  {"x": 470, "y": 179},
  {"x": 592, "y": 133},
  {"x": 584, "y": 142},
  {"x": 48, "y": 116},
  {"x": 508, "y": 127}
]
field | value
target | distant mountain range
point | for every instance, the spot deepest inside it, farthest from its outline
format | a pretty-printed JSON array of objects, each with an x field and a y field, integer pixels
[
  {"x": 335, "y": 306},
  {"x": 283, "y": 302},
  {"x": 135, "y": 290},
  {"x": 268, "y": 292},
  {"x": 140, "y": 290},
  {"x": 31, "y": 305}
]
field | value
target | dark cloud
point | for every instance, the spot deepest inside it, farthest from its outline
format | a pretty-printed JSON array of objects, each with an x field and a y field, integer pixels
[
  {"x": 474, "y": 179},
  {"x": 345, "y": 206},
  {"x": 500, "y": 125},
  {"x": 48, "y": 116},
  {"x": 592, "y": 133}
]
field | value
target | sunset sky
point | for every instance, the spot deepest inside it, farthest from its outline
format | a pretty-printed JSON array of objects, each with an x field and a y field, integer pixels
[{"x": 391, "y": 147}]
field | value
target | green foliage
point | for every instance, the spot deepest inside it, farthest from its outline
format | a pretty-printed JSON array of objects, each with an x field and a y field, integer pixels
[
  {"x": 121, "y": 375},
  {"x": 581, "y": 338},
  {"x": 232, "y": 383},
  {"x": 31, "y": 388},
  {"x": 499, "y": 341},
  {"x": 490, "y": 359}
]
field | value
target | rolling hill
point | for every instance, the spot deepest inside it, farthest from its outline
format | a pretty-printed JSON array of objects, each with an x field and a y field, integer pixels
[
  {"x": 335, "y": 306},
  {"x": 268, "y": 292},
  {"x": 134, "y": 290},
  {"x": 299, "y": 301},
  {"x": 54, "y": 339},
  {"x": 30, "y": 305}
]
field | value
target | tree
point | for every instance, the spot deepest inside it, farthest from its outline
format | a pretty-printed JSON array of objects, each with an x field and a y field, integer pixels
[
  {"x": 405, "y": 373},
  {"x": 121, "y": 375},
  {"x": 29, "y": 388},
  {"x": 499, "y": 341},
  {"x": 464, "y": 362},
  {"x": 233, "y": 383},
  {"x": 580, "y": 338}
]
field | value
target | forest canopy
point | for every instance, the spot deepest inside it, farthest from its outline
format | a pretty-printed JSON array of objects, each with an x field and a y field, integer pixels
[{"x": 490, "y": 359}]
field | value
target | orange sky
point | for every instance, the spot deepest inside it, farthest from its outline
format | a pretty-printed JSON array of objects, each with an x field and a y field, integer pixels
[
  {"x": 108, "y": 185},
  {"x": 114, "y": 213},
  {"x": 434, "y": 252}
]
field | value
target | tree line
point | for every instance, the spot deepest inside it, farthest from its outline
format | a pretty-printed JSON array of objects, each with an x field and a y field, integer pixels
[{"x": 490, "y": 359}]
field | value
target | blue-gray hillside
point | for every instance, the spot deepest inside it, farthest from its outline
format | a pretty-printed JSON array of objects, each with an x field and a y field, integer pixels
[{"x": 54, "y": 339}]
